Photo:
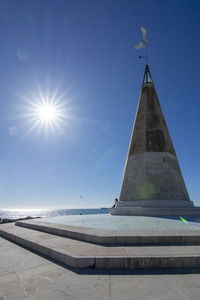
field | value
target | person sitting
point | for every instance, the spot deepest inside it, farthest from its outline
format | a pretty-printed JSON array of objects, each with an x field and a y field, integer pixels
[{"x": 116, "y": 201}]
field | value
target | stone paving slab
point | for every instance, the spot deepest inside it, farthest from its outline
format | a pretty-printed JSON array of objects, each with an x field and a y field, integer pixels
[
  {"x": 115, "y": 237},
  {"x": 78, "y": 254},
  {"x": 38, "y": 278}
]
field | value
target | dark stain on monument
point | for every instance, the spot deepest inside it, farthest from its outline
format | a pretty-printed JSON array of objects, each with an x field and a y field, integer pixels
[{"x": 155, "y": 141}]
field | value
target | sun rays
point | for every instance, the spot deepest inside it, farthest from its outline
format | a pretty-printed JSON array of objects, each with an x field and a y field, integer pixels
[{"x": 46, "y": 112}]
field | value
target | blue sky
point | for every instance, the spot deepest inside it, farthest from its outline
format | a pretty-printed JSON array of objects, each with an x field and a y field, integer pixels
[{"x": 84, "y": 50}]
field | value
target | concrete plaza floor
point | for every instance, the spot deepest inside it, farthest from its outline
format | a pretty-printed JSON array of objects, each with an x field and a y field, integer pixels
[
  {"x": 127, "y": 223},
  {"x": 26, "y": 275}
]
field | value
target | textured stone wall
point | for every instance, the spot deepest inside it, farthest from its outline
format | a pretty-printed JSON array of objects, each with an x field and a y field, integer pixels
[
  {"x": 152, "y": 171},
  {"x": 150, "y": 133}
]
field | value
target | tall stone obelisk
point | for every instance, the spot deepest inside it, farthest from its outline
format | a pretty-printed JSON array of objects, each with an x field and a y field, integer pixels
[{"x": 152, "y": 183}]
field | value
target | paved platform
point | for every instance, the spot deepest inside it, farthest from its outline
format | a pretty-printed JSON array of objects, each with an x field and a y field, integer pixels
[
  {"x": 81, "y": 254},
  {"x": 116, "y": 237},
  {"x": 25, "y": 275},
  {"x": 127, "y": 223}
]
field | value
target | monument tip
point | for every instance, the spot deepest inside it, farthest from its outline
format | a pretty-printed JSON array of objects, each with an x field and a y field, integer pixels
[{"x": 147, "y": 76}]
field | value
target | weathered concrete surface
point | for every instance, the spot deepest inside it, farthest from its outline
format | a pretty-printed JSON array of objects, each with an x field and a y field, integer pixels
[
  {"x": 115, "y": 237},
  {"x": 79, "y": 254},
  {"x": 145, "y": 211},
  {"x": 25, "y": 275},
  {"x": 152, "y": 176},
  {"x": 150, "y": 132},
  {"x": 152, "y": 171}
]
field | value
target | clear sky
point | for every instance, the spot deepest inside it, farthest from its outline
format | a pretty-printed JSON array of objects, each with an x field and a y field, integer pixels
[{"x": 81, "y": 54}]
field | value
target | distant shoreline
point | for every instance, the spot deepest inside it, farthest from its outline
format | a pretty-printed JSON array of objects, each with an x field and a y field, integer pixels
[{"x": 6, "y": 220}]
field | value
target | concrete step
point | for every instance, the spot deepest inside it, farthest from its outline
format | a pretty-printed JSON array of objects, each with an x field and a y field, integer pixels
[
  {"x": 79, "y": 254},
  {"x": 115, "y": 237}
]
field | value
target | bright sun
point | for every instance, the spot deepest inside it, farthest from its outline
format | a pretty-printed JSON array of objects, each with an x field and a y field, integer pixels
[{"x": 47, "y": 113}]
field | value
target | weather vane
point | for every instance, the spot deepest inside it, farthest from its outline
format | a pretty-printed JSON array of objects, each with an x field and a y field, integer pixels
[{"x": 143, "y": 43}]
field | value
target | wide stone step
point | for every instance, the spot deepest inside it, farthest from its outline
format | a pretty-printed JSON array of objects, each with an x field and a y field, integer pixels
[
  {"x": 115, "y": 237},
  {"x": 79, "y": 254}
]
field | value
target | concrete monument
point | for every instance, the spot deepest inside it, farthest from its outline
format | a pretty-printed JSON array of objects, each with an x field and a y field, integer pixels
[{"x": 152, "y": 183}]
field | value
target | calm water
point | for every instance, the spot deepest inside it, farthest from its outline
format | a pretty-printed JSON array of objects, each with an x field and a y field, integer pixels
[{"x": 22, "y": 213}]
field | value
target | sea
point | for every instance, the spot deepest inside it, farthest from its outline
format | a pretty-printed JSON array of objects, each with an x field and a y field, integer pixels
[{"x": 13, "y": 214}]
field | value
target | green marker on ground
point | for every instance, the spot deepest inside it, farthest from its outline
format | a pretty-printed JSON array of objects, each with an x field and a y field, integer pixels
[{"x": 182, "y": 219}]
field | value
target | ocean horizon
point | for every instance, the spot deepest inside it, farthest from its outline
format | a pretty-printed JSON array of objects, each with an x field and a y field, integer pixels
[{"x": 13, "y": 214}]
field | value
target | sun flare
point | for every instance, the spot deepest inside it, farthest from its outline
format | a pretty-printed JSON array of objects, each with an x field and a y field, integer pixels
[{"x": 47, "y": 112}]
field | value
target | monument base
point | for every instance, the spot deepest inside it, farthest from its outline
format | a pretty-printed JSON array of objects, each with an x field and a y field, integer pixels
[{"x": 144, "y": 211}]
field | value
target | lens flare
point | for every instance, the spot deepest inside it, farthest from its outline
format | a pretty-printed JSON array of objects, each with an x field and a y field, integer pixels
[{"x": 182, "y": 219}]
